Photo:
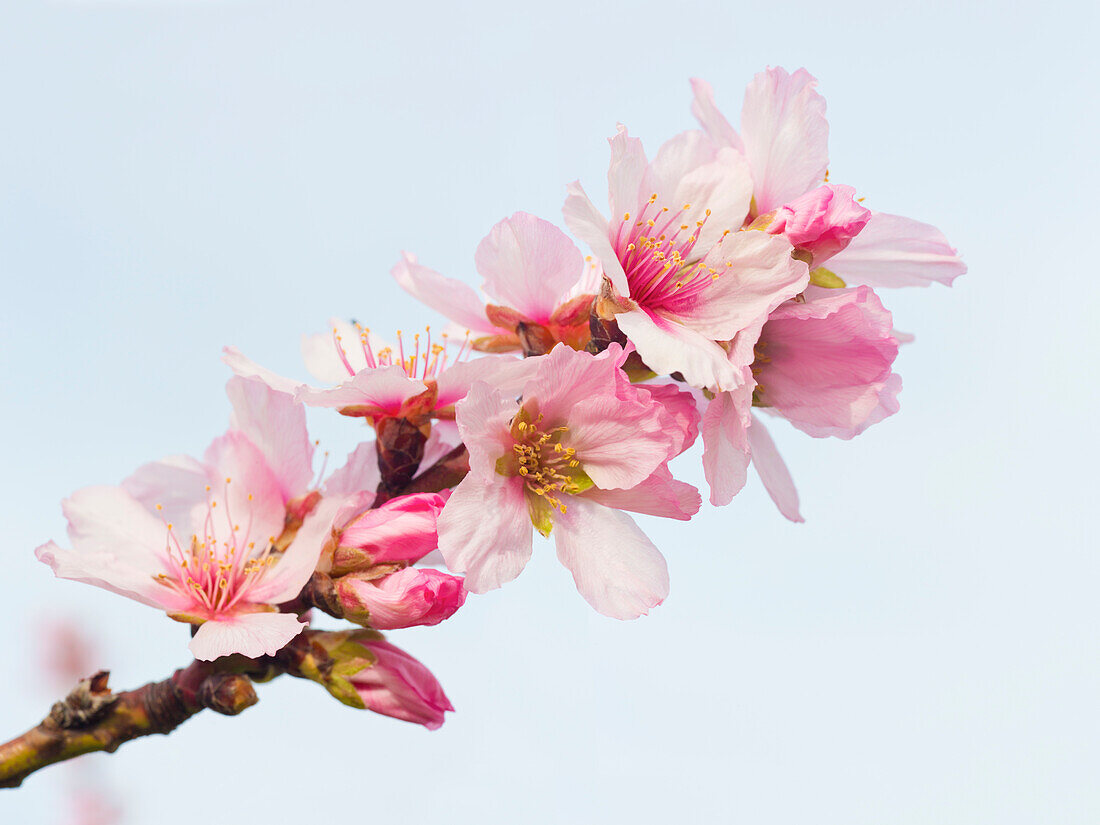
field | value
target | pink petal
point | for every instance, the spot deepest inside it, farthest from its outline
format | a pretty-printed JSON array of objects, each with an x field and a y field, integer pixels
[
  {"x": 616, "y": 567},
  {"x": 625, "y": 173},
  {"x": 505, "y": 373},
  {"x": 786, "y": 136},
  {"x": 690, "y": 169},
  {"x": 399, "y": 686},
  {"x": 483, "y": 418},
  {"x": 360, "y": 472},
  {"x": 404, "y": 529},
  {"x": 452, "y": 299},
  {"x": 893, "y": 251},
  {"x": 529, "y": 265},
  {"x": 247, "y": 492},
  {"x": 250, "y": 634},
  {"x": 667, "y": 347},
  {"x": 276, "y": 424},
  {"x": 177, "y": 483},
  {"x": 725, "y": 444},
  {"x": 713, "y": 121},
  {"x": 619, "y": 442},
  {"x": 285, "y": 580},
  {"x": 247, "y": 368},
  {"x": 118, "y": 545},
  {"x": 587, "y": 223},
  {"x": 773, "y": 471},
  {"x": 485, "y": 531},
  {"x": 659, "y": 495},
  {"x": 565, "y": 375},
  {"x": 323, "y": 359},
  {"x": 385, "y": 389},
  {"x": 755, "y": 273},
  {"x": 828, "y": 362}
]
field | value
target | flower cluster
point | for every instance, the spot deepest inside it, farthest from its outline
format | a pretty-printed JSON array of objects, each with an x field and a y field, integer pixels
[{"x": 728, "y": 279}]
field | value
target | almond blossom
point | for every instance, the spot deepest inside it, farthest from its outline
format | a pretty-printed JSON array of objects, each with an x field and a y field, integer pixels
[
  {"x": 679, "y": 276},
  {"x": 198, "y": 539},
  {"x": 535, "y": 276},
  {"x": 785, "y": 142},
  {"x": 377, "y": 380},
  {"x": 583, "y": 446},
  {"x": 824, "y": 363}
]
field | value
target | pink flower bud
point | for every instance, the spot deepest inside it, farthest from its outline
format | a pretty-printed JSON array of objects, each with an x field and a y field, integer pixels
[
  {"x": 398, "y": 685},
  {"x": 822, "y": 222},
  {"x": 409, "y": 597},
  {"x": 401, "y": 530}
]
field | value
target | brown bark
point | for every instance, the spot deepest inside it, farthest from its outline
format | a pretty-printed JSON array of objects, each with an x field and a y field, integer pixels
[{"x": 93, "y": 718}]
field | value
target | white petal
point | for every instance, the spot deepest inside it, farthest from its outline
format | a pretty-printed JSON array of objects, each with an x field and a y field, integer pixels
[
  {"x": 485, "y": 532},
  {"x": 251, "y": 634},
  {"x": 616, "y": 567}
]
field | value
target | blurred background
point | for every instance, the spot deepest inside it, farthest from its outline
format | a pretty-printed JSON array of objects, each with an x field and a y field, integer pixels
[{"x": 176, "y": 176}]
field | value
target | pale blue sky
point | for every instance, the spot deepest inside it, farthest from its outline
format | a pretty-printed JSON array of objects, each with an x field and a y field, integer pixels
[{"x": 176, "y": 177}]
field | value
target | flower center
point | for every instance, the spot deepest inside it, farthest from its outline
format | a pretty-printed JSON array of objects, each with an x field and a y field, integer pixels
[
  {"x": 417, "y": 364},
  {"x": 657, "y": 251},
  {"x": 215, "y": 572},
  {"x": 548, "y": 467}
]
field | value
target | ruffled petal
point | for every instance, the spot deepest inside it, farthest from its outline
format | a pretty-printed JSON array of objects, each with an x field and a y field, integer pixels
[
  {"x": 616, "y": 567},
  {"x": 893, "y": 251},
  {"x": 529, "y": 265},
  {"x": 725, "y": 444},
  {"x": 786, "y": 136}
]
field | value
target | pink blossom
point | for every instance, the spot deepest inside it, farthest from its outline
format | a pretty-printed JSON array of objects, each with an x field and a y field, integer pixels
[
  {"x": 532, "y": 272},
  {"x": 376, "y": 380},
  {"x": 197, "y": 539},
  {"x": 398, "y": 685},
  {"x": 822, "y": 222},
  {"x": 785, "y": 143},
  {"x": 825, "y": 364},
  {"x": 405, "y": 598},
  {"x": 679, "y": 277},
  {"x": 583, "y": 446}
]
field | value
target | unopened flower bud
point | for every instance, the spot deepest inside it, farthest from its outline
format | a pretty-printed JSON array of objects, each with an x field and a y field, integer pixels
[
  {"x": 401, "y": 530},
  {"x": 398, "y": 685},
  {"x": 822, "y": 222},
  {"x": 408, "y": 597}
]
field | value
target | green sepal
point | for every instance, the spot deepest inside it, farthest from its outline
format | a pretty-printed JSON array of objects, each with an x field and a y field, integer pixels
[{"x": 826, "y": 279}]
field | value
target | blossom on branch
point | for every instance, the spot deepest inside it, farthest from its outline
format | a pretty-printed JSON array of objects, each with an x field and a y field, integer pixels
[
  {"x": 200, "y": 539},
  {"x": 785, "y": 142},
  {"x": 541, "y": 289},
  {"x": 582, "y": 446}
]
